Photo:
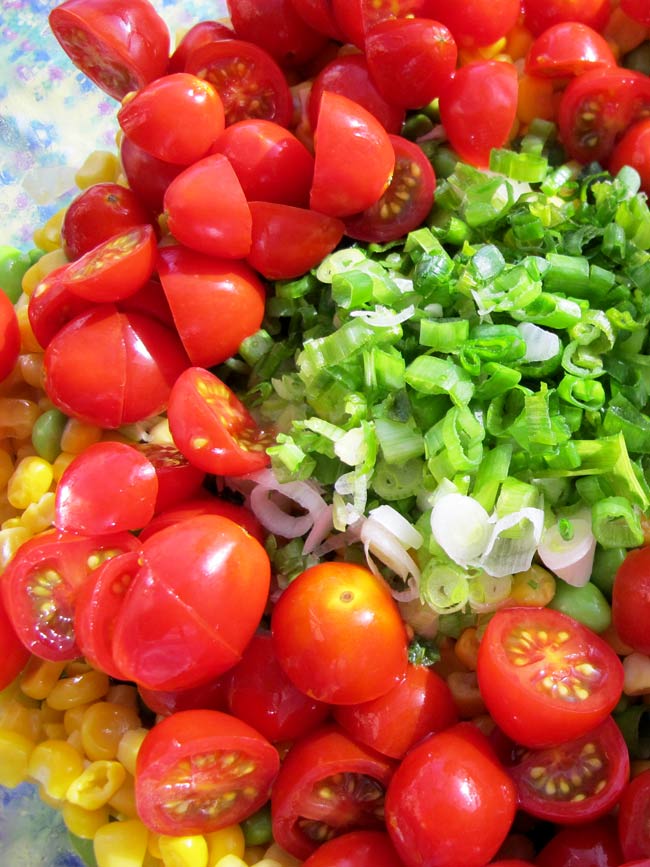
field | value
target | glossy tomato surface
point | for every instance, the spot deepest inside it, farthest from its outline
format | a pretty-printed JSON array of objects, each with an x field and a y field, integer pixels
[
  {"x": 148, "y": 176},
  {"x": 475, "y": 22},
  {"x": 633, "y": 829},
  {"x": 202, "y": 33},
  {"x": 9, "y": 336},
  {"x": 13, "y": 652},
  {"x": 633, "y": 149},
  {"x": 566, "y": 49},
  {"x": 590, "y": 845},
  {"x": 356, "y": 849},
  {"x": 278, "y": 28},
  {"x": 540, "y": 14},
  {"x": 631, "y": 600},
  {"x": 177, "y": 479},
  {"x": 205, "y": 505}
]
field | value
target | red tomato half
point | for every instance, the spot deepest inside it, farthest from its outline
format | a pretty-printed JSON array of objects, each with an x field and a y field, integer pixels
[
  {"x": 206, "y": 505},
  {"x": 9, "y": 336},
  {"x": 541, "y": 14},
  {"x": 206, "y": 696},
  {"x": 450, "y": 802},
  {"x": 356, "y": 849},
  {"x": 631, "y": 600},
  {"x": 212, "y": 428},
  {"x": 196, "y": 109},
  {"x": 200, "y": 34},
  {"x": 544, "y": 677},
  {"x": 638, "y": 10},
  {"x": 177, "y": 479},
  {"x": 592, "y": 845},
  {"x": 575, "y": 782},
  {"x": 356, "y": 17},
  {"x": 13, "y": 652},
  {"x": 201, "y": 770},
  {"x": 568, "y": 49},
  {"x": 474, "y": 22},
  {"x": 216, "y": 303},
  {"x": 354, "y": 158},
  {"x": 633, "y": 149},
  {"x": 52, "y": 305},
  {"x": 320, "y": 16},
  {"x": 328, "y": 785},
  {"x": 633, "y": 829},
  {"x": 108, "y": 488},
  {"x": 148, "y": 177},
  {"x": 121, "y": 45},
  {"x": 277, "y": 28}
]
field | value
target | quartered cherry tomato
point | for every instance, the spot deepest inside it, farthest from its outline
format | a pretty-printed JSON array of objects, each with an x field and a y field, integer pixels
[
  {"x": 177, "y": 479},
  {"x": 9, "y": 336},
  {"x": 356, "y": 849},
  {"x": 568, "y": 49},
  {"x": 278, "y": 28},
  {"x": 631, "y": 600},
  {"x": 206, "y": 696},
  {"x": 475, "y": 22},
  {"x": 590, "y": 845},
  {"x": 356, "y": 17},
  {"x": 541, "y": 14},
  {"x": 638, "y": 10},
  {"x": 633, "y": 149},
  {"x": 148, "y": 176},
  {"x": 319, "y": 15},
  {"x": 199, "y": 34},
  {"x": 201, "y": 770},
  {"x": 52, "y": 305},
  {"x": 633, "y": 829},
  {"x": 13, "y": 652},
  {"x": 205, "y": 505}
]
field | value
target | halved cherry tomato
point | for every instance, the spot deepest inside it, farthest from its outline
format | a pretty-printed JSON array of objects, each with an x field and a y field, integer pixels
[
  {"x": 148, "y": 177},
  {"x": 223, "y": 231},
  {"x": 150, "y": 300},
  {"x": 450, "y": 802},
  {"x": 212, "y": 428},
  {"x": 206, "y": 696},
  {"x": 271, "y": 163},
  {"x": 199, "y": 34},
  {"x": 108, "y": 488},
  {"x": 206, "y": 505},
  {"x": 638, "y": 10},
  {"x": 633, "y": 149},
  {"x": 247, "y": 78},
  {"x": 356, "y": 17},
  {"x": 9, "y": 336},
  {"x": 277, "y": 28},
  {"x": 354, "y": 158},
  {"x": 13, "y": 653},
  {"x": 320, "y": 17},
  {"x": 288, "y": 241},
  {"x": 420, "y": 704},
  {"x": 328, "y": 785},
  {"x": 121, "y": 45},
  {"x": 577, "y": 781},
  {"x": 201, "y": 770},
  {"x": 546, "y": 678},
  {"x": 338, "y": 634},
  {"x": 474, "y": 22},
  {"x": 566, "y": 49},
  {"x": 194, "y": 104},
  {"x": 541, "y": 14},
  {"x": 177, "y": 479},
  {"x": 52, "y": 305},
  {"x": 631, "y": 600},
  {"x": 216, "y": 303},
  {"x": 356, "y": 849},
  {"x": 633, "y": 829},
  {"x": 591, "y": 845},
  {"x": 41, "y": 583},
  {"x": 405, "y": 203},
  {"x": 97, "y": 214}
]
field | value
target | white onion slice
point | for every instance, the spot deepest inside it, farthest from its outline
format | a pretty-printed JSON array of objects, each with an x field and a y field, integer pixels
[
  {"x": 351, "y": 447},
  {"x": 540, "y": 343},
  {"x": 397, "y": 524},
  {"x": 506, "y": 555},
  {"x": 323, "y": 525},
  {"x": 570, "y": 559},
  {"x": 461, "y": 526},
  {"x": 270, "y": 513},
  {"x": 382, "y": 317},
  {"x": 380, "y": 543}
]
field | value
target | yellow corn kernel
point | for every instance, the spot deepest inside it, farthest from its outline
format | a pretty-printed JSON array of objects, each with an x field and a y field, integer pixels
[
  {"x": 78, "y": 689},
  {"x": 19, "y": 717},
  {"x": 48, "y": 236},
  {"x": 61, "y": 464},
  {"x": 11, "y": 539},
  {"x": 123, "y": 693},
  {"x": 25, "y": 449},
  {"x": 253, "y": 854},
  {"x": 32, "y": 369},
  {"x": 55, "y": 731},
  {"x": 96, "y": 785},
  {"x": 17, "y": 417},
  {"x": 277, "y": 853},
  {"x": 83, "y": 823},
  {"x": 76, "y": 667},
  {"x": 74, "y": 739},
  {"x": 160, "y": 433},
  {"x": 12, "y": 523},
  {"x": 28, "y": 341},
  {"x": 122, "y": 803},
  {"x": 153, "y": 845},
  {"x": 268, "y": 862},
  {"x": 6, "y": 467},
  {"x": 29, "y": 482},
  {"x": 103, "y": 726},
  {"x": 55, "y": 765},
  {"x": 230, "y": 861},
  {"x": 15, "y": 750},
  {"x": 129, "y": 747},
  {"x": 78, "y": 435},
  {"x": 39, "y": 677},
  {"x": 55, "y": 258},
  {"x": 225, "y": 841},
  {"x": 466, "y": 648},
  {"x": 191, "y": 851},
  {"x": 39, "y": 516},
  {"x": 535, "y": 587},
  {"x": 99, "y": 167},
  {"x": 466, "y": 694},
  {"x": 636, "y": 669},
  {"x": 121, "y": 844},
  {"x": 55, "y": 803}
]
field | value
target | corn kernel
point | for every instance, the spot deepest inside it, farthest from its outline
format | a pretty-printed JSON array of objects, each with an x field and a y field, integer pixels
[
  {"x": 121, "y": 844},
  {"x": 25, "y": 449},
  {"x": 61, "y": 464},
  {"x": 55, "y": 765},
  {"x": 6, "y": 467},
  {"x": 46, "y": 798},
  {"x": 99, "y": 167},
  {"x": 78, "y": 689},
  {"x": 39, "y": 516},
  {"x": 161, "y": 434},
  {"x": 103, "y": 726},
  {"x": 230, "y": 861},
  {"x": 268, "y": 862},
  {"x": 48, "y": 236},
  {"x": 129, "y": 747},
  {"x": 29, "y": 482},
  {"x": 83, "y": 823},
  {"x": 225, "y": 841},
  {"x": 191, "y": 851},
  {"x": 253, "y": 854},
  {"x": 79, "y": 435},
  {"x": 55, "y": 258},
  {"x": 15, "y": 750},
  {"x": 535, "y": 587},
  {"x": 277, "y": 853},
  {"x": 74, "y": 739},
  {"x": 123, "y": 693},
  {"x": 11, "y": 539},
  {"x": 17, "y": 417},
  {"x": 28, "y": 341},
  {"x": 39, "y": 676},
  {"x": 55, "y": 731},
  {"x": 636, "y": 669},
  {"x": 32, "y": 369},
  {"x": 153, "y": 845},
  {"x": 20, "y": 717},
  {"x": 122, "y": 802},
  {"x": 96, "y": 785}
]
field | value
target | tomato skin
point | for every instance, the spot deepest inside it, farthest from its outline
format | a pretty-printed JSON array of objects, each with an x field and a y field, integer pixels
[
  {"x": 207, "y": 696},
  {"x": 216, "y": 303},
  {"x": 478, "y": 108},
  {"x": 568, "y": 48},
  {"x": 277, "y": 28},
  {"x": 523, "y": 699},
  {"x": 205, "y": 505},
  {"x": 541, "y": 14},
  {"x": 177, "y": 479},
  {"x": 449, "y": 802},
  {"x": 633, "y": 830},
  {"x": 170, "y": 746},
  {"x": 338, "y": 634},
  {"x": 198, "y": 35},
  {"x": 354, "y": 158},
  {"x": 320, "y": 17},
  {"x": 259, "y": 692},
  {"x": 633, "y": 149},
  {"x": 313, "y": 760},
  {"x": 420, "y": 704},
  {"x": 591, "y": 845},
  {"x": 638, "y": 10},
  {"x": 148, "y": 177},
  {"x": 52, "y": 305},
  {"x": 356, "y": 17},
  {"x": 129, "y": 36},
  {"x": 271, "y": 163},
  {"x": 288, "y": 241},
  {"x": 475, "y": 22},
  {"x": 356, "y": 849},
  {"x": 9, "y": 336},
  {"x": 149, "y": 300},
  {"x": 631, "y": 599},
  {"x": 13, "y": 652},
  {"x": 197, "y": 110}
]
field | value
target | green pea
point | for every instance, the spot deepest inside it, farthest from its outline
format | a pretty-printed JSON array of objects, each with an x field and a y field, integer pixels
[
  {"x": 585, "y": 604},
  {"x": 47, "y": 433},
  {"x": 606, "y": 564},
  {"x": 257, "y": 828},
  {"x": 416, "y": 125},
  {"x": 13, "y": 265},
  {"x": 444, "y": 161}
]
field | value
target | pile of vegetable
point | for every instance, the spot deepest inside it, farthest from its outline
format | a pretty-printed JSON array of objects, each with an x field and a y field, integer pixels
[{"x": 325, "y": 426}]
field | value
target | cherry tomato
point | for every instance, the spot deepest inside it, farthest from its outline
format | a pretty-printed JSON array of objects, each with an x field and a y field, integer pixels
[
  {"x": 9, "y": 336},
  {"x": 405, "y": 203},
  {"x": 541, "y": 14},
  {"x": 591, "y": 845},
  {"x": 177, "y": 479},
  {"x": 52, "y": 305},
  {"x": 349, "y": 76},
  {"x": 356, "y": 849},
  {"x": 260, "y": 693},
  {"x": 633, "y": 149},
  {"x": 633, "y": 829},
  {"x": 193, "y": 104},
  {"x": 41, "y": 583},
  {"x": 354, "y": 158},
  {"x": 512, "y": 862},
  {"x": 148, "y": 177},
  {"x": 478, "y": 108},
  {"x": 212, "y": 428},
  {"x": 223, "y": 231},
  {"x": 474, "y": 22},
  {"x": 328, "y": 785},
  {"x": 97, "y": 214},
  {"x": 546, "y": 678},
  {"x": 578, "y": 780},
  {"x": 450, "y": 802},
  {"x": 356, "y": 17},
  {"x": 108, "y": 488},
  {"x": 288, "y": 241},
  {"x": 567, "y": 49},
  {"x": 13, "y": 652},
  {"x": 200, "y": 34},
  {"x": 338, "y": 634},
  {"x": 638, "y": 10},
  {"x": 631, "y": 600},
  {"x": 410, "y": 59},
  {"x": 111, "y": 368},
  {"x": 216, "y": 303},
  {"x": 598, "y": 107},
  {"x": 247, "y": 78},
  {"x": 150, "y": 300},
  {"x": 271, "y": 163},
  {"x": 320, "y": 17},
  {"x": 205, "y": 505},
  {"x": 201, "y": 770},
  {"x": 121, "y": 45},
  {"x": 420, "y": 704},
  {"x": 277, "y": 28},
  {"x": 206, "y": 696},
  {"x": 194, "y": 604}
]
